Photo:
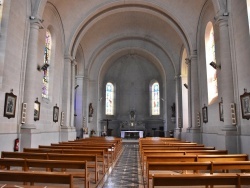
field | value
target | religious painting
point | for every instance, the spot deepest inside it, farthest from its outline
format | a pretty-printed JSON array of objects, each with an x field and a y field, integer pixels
[
  {"x": 55, "y": 113},
  {"x": 10, "y": 105},
  {"x": 36, "y": 110},
  {"x": 245, "y": 104},
  {"x": 204, "y": 114}
]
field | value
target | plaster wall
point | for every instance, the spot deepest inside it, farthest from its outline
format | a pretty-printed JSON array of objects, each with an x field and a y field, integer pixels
[
  {"x": 13, "y": 49},
  {"x": 240, "y": 49}
]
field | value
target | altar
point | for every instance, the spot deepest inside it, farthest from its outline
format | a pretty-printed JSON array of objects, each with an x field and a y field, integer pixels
[{"x": 131, "y": 134}]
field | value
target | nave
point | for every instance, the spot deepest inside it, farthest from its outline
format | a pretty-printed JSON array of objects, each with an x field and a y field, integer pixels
[{"x": 153, "y": 162}]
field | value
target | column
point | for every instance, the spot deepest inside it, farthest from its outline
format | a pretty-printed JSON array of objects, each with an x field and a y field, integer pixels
[
  {"x": 66, "y": 97},
  {"x": 194, "y": 90},
  {"x": 193, "y": 98},
  {"x": 228, "y": 139},
  {"x": 177, "y": 107},
  {"x": 73, "y": 84},
  {"x": 226, "y": 70},
  {"x": 32, "y": 88},
  {"x": 80, "y": 118},
  {"x": 188, "y": 62}
]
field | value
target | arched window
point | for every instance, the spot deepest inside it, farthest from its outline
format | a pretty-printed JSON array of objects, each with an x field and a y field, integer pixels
[
  {"x": 155, "y": 98},
  {"x": 110, "y": 93},
  {"x": 212, "y": 87},
  {"x": 47, "y": 57}
]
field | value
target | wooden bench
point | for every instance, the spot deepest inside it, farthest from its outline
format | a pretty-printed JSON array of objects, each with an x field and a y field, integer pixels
[
  {"x": 195, "y": 158},
  {"x": 107, "y": 150},
  {"x": 180, "y": 152},
  {"x": 10, "y": 154},
  {"x": 37, "y": 177},
  {"x": 91, "y": 159},
  {"x": 201, "y": 179},
  {"x": 100, "y": 154},
  {"x": 48, "y": 165},
  {"x": 64, "y": 166}
]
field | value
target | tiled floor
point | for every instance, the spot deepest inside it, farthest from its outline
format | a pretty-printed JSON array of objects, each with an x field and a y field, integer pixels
[{"x": 127, "y": 171}]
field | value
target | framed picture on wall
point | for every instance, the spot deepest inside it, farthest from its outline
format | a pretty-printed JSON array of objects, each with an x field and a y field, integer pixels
[
  {"x": 10, "y": 105},
  {"x": 221, "y": 111},
  {"x": 204, "y": 114},
  {"x": 36, "y": 110},
  {"x": 245, "y": 104},
  {"x": 55, "y": 113}
]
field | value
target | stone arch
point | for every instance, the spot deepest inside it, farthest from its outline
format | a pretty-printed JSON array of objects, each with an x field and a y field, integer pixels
[{"x": 144, "y": 7}]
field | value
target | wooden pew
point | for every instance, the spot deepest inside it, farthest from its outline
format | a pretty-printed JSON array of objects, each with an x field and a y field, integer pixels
[
  {"x": 48, "y": 165},
  {"x": 37, "y": 177},
  {"x": 194, "y": 158},
  {"x": 145, "y": 153},
  {"x": 63, "y": 165},
  {"x": 54, "y": 156},
  {"x": 7, "y": 154},
  {"x": 201, "y": 179},
  {"x": 100, "y": 154},
  {"x": 221, "y": 158},
  {"x": 160, "y": 153},
  {"x": 243, "y": 166},
  {"x": 7, "y": 163},
  {"x": 78, "y": 157},
  {"x": 107, "y": 150}
]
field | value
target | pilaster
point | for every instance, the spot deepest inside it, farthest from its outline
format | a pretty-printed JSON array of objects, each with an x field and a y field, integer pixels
[
  {"x": 73, "y": 84},
  {"x": 226, "y": 71},
  {"x": 229, "y": 131},
  {"x": 31, "y": 86},
  {"x": 66, "y": 96},
  {"x": 178, "y": 122}
]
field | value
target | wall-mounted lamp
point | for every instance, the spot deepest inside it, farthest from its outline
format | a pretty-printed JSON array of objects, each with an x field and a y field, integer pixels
[
  {"x": 44, "y": 67},
  {"x": 214, "y": 65},
  {"x": 185, "y": 85},
  {"x": 33, "y": 18},
  {"x": 76, "y": 86}
]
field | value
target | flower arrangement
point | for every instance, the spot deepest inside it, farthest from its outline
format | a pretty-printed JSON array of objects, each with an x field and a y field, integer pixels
[{"x": 85, "y": 130}]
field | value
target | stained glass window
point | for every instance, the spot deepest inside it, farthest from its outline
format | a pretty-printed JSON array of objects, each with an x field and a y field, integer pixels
[
  {"x": 212, "y": 86},
  {"x": 47, "y": 55},
  {"x": 109, "y": 99},
  {"x": 155, "y": 99}
]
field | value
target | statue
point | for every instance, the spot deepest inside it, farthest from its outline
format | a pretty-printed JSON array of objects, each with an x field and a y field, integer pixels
[
  {"x": 132, "y": 115},
  {"x": 91, "y": 110},
  {"x": 173, "y": 110}
]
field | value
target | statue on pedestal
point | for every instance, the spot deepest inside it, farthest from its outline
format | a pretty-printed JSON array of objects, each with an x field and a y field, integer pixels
[{"x": 132, "y": 115}]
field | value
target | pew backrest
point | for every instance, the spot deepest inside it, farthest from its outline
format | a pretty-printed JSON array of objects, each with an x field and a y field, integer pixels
[{"x": 37, "y": 177}]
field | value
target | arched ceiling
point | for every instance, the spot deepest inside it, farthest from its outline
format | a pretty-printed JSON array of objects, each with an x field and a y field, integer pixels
[{"x": 167, "y": 24}]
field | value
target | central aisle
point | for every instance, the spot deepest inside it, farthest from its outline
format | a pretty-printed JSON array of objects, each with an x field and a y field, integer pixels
[{"x": 127, "y": 171}]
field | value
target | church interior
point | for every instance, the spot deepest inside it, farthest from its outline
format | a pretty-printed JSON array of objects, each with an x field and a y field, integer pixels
[{"x": 132, "y": 73}]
